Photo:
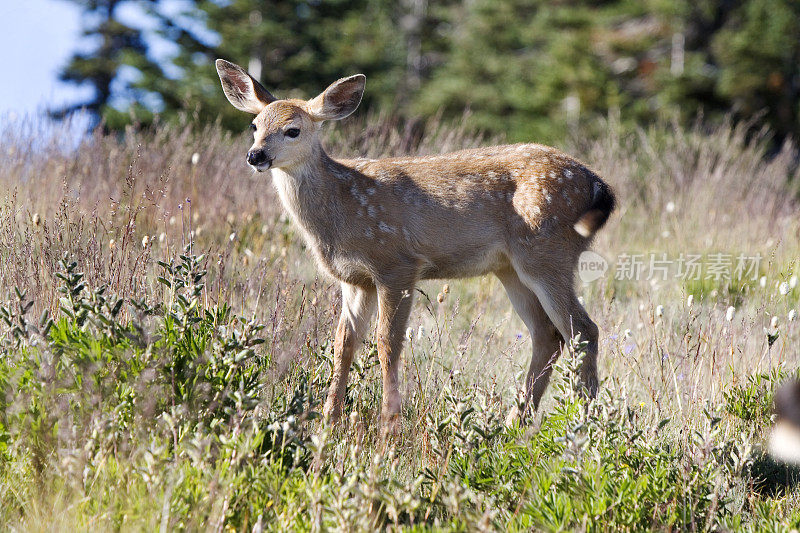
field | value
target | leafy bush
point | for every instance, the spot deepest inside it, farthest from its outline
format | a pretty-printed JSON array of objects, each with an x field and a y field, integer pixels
[{"x": 160, "y": 412}]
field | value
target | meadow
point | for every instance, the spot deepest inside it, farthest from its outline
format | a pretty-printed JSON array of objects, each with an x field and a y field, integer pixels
[{"x": 165, "y": 344}]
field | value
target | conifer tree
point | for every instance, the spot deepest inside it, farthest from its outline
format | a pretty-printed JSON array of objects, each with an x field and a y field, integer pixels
[{"x": 118, "y": 46}]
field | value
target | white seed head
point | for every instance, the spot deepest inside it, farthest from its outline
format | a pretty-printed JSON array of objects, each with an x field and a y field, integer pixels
[
  {"x": 409, "y": 333},
  {"x": 773, "y": 324},
  {"x": 195, "y": 158},
  {"x": 792, "y": 315},
  {"x": 670, "y": 207},
  {"x": 232, "y": 237},
  {"x": 784, "y": 288},
  {"x": 729, "y": 314},
  {"x": 763, "y": 281},
  {"x": 659, "y": 310},
  {"x": 793, "y": 282},
  {"x": 421, "y": 332},
  {"x": 690, "y": 300},
  {"x": 145, "y": 240}
]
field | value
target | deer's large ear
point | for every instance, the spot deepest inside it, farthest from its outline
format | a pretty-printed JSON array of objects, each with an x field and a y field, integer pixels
[
  {"x": 244, "y": 92},
  {"x": 338, "y": 100}
]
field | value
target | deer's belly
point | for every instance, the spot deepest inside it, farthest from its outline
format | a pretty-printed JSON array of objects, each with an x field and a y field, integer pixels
[{"x": 464, "y": 264}]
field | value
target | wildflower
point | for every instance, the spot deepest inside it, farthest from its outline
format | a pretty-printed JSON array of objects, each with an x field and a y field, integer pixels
[
  {"x": 440, "y": 297},
  {"x": 145, "y": 241},
  {"x": 195, "y": 158},
  {"x": 627, "y": 334},
  {"x": 670, "y": 207},
  {"x": 112, "y": 244},
  {"x": 792, "y": 315},
  {"x": 409, "y": 333},
  {"x": 232, "y": 236},
  {"x": 690, "y": 300},
  {"x": 730, "y": 313},
  {"x": 773, "y": 324},
  {"x": 660, "y": 310},
  {"x": 37, "y": 220},
  {"x": 783, "y": 288}
]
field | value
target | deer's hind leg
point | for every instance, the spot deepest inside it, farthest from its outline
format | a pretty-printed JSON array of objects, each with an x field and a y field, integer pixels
[
  {"x": 358, "y": 306},
  {"x": 545, "y": 338},
  {"x": 555, "y": 291}
]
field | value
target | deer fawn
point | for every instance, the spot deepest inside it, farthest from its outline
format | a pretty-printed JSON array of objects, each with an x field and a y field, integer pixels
[{"x": 523, "y": 212}]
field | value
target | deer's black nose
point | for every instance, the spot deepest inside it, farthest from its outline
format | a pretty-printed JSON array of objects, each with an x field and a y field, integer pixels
[{"x": 257, "y": 157}]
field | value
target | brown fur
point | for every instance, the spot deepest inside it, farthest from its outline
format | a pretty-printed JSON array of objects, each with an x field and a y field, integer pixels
[{"x": 380, "y": 226}]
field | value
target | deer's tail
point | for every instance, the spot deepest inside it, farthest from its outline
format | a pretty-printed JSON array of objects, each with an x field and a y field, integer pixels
[{"x": 600, "y": 207}]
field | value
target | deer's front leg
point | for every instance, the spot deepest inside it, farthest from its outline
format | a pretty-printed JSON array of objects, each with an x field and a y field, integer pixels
[
  {"x": 394, "y": 306},
  {"x": 358, "y": 306}
]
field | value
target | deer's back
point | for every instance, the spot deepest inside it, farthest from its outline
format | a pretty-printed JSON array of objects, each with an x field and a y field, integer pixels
[{"x": 463, "y": 213}]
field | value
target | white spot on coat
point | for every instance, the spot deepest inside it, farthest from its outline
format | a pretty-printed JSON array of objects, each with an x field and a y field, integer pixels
[{"x": 386, "y": 228}]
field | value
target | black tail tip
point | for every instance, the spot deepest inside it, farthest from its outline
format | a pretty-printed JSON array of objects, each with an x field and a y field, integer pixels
[{"x": 596, "y": 215}]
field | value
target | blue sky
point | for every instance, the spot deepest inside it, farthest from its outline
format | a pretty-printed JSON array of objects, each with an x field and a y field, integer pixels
[{"x": 38, "y": 36}]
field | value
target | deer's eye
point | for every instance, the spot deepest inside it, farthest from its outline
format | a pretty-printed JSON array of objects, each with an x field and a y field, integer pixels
[
  {"x": 252, "y": 127},
  {"x": 292, "y": 132}
]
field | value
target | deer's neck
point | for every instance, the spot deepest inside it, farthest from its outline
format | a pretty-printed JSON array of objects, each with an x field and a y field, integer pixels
[{"x": 311, "y": 196}]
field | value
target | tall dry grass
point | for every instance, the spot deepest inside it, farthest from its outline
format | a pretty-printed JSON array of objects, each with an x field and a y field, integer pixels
[{"x": 117, "y": 204}]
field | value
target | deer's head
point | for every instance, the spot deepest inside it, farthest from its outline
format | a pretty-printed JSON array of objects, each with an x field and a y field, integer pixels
[{"x": 286, "y": 131}]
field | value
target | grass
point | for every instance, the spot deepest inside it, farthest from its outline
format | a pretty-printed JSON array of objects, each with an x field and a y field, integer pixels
[{"x": 165, "y": 343}]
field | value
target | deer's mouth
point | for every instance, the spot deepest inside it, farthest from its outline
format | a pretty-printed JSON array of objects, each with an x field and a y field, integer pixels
[{"x": 263, "y": 167}]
